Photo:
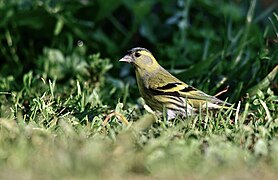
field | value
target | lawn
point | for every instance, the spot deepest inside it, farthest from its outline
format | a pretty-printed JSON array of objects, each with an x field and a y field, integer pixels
[{"x": 64, "y": 96}]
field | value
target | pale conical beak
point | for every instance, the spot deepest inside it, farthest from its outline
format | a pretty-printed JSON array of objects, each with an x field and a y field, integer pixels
[{"x": 127, "y": 58}]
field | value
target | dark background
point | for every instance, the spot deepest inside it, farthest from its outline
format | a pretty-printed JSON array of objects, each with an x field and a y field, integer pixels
[{"x": 209, "y": 44}]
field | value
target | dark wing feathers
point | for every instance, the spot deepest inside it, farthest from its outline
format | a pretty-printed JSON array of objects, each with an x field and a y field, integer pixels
[
  {"x": 170, "y": 85},
  {"x": 183, "y": 90}
]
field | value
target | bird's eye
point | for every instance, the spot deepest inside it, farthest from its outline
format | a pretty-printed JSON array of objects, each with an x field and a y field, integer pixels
[{"x": 137, "y": 54}]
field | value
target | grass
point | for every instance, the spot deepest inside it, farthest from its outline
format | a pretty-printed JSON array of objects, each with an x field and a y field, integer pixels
[
  {"x": 54, "y": 103},
  {"x": 56, "y": 136}
]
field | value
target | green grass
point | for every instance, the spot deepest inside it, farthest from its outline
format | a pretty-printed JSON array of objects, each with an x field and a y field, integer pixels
[{"x": 60, "y": 78}]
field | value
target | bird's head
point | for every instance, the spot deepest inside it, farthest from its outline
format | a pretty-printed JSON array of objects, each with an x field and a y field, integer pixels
[{"x": 141, "y": 58}]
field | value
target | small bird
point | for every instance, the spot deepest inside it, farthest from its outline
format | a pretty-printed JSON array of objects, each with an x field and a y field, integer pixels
[{"x": 162, "y": 91}]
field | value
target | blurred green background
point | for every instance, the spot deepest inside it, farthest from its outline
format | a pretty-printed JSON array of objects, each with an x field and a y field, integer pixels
[{"x": 209, "y": 44}]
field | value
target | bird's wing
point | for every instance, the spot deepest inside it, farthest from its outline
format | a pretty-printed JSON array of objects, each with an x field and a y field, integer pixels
[{"x": 167, "y": 84}]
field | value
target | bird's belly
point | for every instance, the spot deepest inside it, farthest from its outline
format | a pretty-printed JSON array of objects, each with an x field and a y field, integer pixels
[{"x": 171, "y": 104}]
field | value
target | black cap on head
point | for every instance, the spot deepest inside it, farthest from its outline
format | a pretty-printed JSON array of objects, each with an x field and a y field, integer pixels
[{"x": 137, "y": 49}]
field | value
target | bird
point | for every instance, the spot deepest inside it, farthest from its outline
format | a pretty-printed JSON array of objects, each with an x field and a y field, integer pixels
[{"x": 163, "y": 92}]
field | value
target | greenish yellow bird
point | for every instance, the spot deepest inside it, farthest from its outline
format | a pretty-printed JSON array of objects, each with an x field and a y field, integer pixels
[{"x": 162, "y": 91}]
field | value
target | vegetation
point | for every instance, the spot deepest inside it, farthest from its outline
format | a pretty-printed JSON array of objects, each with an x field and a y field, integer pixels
[{"x": 60, "y": 80}]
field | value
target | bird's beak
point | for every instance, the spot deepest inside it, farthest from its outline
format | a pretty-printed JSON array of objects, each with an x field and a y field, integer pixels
[{"x": 127, "y": 58}]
